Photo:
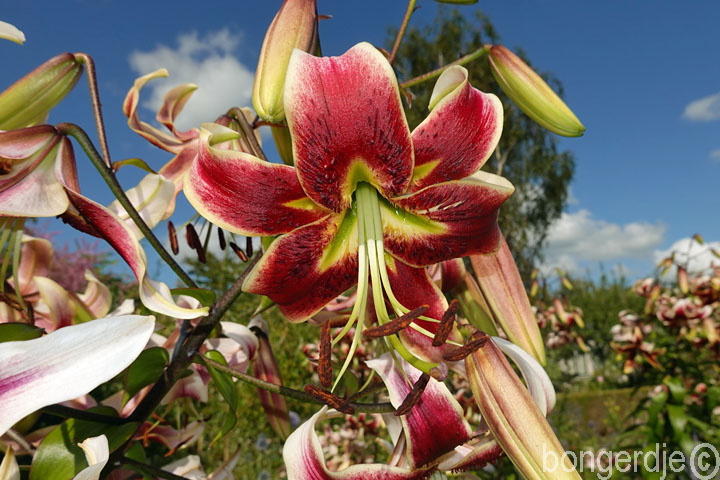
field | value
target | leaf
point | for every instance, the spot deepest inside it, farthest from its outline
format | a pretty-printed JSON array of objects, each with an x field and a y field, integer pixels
[
  {"x": 227, "y": 388},
  {"x": 10, "y": 332},
  {"x": 204, "y": 296},
  {"x": 60, "y": 458},
  {"x": 677, "y": 390},
  {"x": 146, "y": 369},
  {"x": 136, "y": 162}
]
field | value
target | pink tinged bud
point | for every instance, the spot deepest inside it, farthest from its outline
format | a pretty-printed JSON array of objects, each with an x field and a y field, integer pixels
[
  {"x": 265, "y": 368},
  {"x": 29, "y": 100},
  {"x": 294, "y": 26},
  {"x": 682, "y": 279},
  {"x": 530, "y": 92},
  {"x": 513, "y": 417},
  {"x": 499, "y": 280}
]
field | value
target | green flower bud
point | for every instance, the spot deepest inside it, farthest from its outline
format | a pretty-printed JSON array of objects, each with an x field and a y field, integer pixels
[
  {"x": 294, "y": 26},
  {"x": 28, "y": 101},
  {"x": 532, "y": 94}
]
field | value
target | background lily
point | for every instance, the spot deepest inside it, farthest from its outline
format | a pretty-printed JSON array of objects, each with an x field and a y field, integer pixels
[{"x": 362, "y": 185}]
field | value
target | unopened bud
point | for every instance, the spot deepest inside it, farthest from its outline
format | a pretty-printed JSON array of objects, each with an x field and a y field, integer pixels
[
  {"x": 530, "y": 92},
  {"x": 294, "y": 26},
  {"x": 10, "y": 32},
  {"x": 28, "y": 101}
]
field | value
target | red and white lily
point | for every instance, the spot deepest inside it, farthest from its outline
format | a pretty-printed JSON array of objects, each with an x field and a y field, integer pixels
[{"x": 368, "y": 202}]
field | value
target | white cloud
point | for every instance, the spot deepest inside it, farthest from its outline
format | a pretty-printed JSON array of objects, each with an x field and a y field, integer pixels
[
  {"x": 208, "y": 61},
  {"x": 704, "y": 109},
  {"x": 578, "y": 237},
  {"x": 701, "y": 258}
]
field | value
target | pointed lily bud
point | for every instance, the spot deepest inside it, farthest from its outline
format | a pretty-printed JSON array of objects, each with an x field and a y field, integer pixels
[
  {"x": 530, "y": 92},
  {"x": 10, "y": 32},
  {"x": 503, "y": 289},
  {"x": 28, "y": 101},
  {"x": 682, "y": 279},
  {"x": 514, "y": 419},
  {"x": 294, "y": 26},
  {"x": 265, "y": 368}
]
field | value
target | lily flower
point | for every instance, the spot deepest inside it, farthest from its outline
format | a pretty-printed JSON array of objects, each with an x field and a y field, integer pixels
[
  {"x": 433, "y": 435},
  {"x": 40, "y": 180},
  {"x": 67, "y": 363},
  {"x": 368, "y": 203}
]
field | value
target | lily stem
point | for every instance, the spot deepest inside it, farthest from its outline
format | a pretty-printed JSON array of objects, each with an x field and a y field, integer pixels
[
  {"x": 108, "y": 175},
  {"x": 67, "y": 412},
  {"x": 438, "y": 71},
  {"x": 149, "y": 469},
  {"x": 97, "y": 106},
  {"x": 384, "y": 407},
  {"x": 401, "y": 32}
]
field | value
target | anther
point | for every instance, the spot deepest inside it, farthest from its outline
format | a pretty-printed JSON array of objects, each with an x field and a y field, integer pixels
[
  {"x": 330, "y": 399},
  {"x": 477, "y": 341},
  {"x": 221, "y": 238},
  {"x": 249, "y": 246},
  {"x": 414, "y": 396},
  {"x": 395, "y": 325},
  {"x": 173, "y": 238},
  {"x": 325, "y": 356},
  {"x": 446, "y": 324},
  {"x": 238, "y": 251},
  {"x": 191, "y": 236}
]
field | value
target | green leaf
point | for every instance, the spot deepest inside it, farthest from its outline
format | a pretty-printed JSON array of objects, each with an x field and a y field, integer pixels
[
  {"x": 60, "y": 458},
  {"x": 10, "y": 332},
  {"x": 677, "y": 390},
  {"x": 146, "y": 369},
  {"x": 227, "y": 388},
  {"x": 678, "y": 419},
  {"x": 204, "y": 296},
  {"x": 135, "y": 162}
]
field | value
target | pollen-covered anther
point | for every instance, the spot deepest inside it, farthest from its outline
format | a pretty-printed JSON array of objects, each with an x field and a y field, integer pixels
[
  {"x": 446, "y": 325},
  {"x": 477, "y": 341},
  {"x": 221, "y": 238},
  {"x": 330, "y": 399},
  {"x": 238, "y": 251},
  {"x": 173, "y": 238},
  {"x": 325, "y": 371},
  {"x": 249, "y": 246},
  {"x": 396, "y": 325},
  {"x": 414, "y": 396},
  {"x": 191, "y": 236}
]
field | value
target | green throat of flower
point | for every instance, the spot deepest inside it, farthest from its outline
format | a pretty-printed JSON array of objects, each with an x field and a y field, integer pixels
[{"x": 372, "y": 273}]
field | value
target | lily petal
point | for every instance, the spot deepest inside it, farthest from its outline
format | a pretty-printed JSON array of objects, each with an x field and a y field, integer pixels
[
  {"x": 9, "y": 469},
  {"x": 67, "y": 363},
  {"x": 59, "y": 307},
  {"x": 97, "y": 454},
  {"x": 515, "y": 421},
  {"x": 151, "y": 198},
  {"x": 347, "y": 125},
  {"x": 244, "y": 194},
  {"x": 435, "y": 425},
  {"x": 96, "y": 297},
  {"x": 499, "y": 280},
  {"x": 447, "y": 220},
  {"x": 35, "y": 258},
  {"x": 173, "y": 103},
  {"x": 307, "y": 268},
  {"x": 10, "y": 32},
  {"x": 459, "y": 134},
  {"x": 304, "y": 458}
]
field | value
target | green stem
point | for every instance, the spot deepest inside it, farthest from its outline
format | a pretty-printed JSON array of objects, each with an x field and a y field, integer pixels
[
  {"x": 109, "y": 176},
  {"x": 438, "y": 71},
  {"x": 401, "y": 33},
  {"x": 249, "y": 132},
  {"x": 149, "y": 469},
  {"x": 97, "y": 106},
  {"x": 385, "y": 407},
  {"x": 67, "y": 412}
]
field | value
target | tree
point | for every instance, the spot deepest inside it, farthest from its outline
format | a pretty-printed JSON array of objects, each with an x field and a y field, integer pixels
[{"x": 527, "y": 154}]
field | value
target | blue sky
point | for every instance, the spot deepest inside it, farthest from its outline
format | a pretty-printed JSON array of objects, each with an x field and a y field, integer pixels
[{"x": 644, "y": 77}]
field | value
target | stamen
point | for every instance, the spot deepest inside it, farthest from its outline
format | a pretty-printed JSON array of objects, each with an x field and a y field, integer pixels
[
  {"x": 477, "y": 341},
  {"x": 173, "y": 238},
  {"x": 446, "y": 325},
  {"x": 414, "y": 396},
  {"x": 395, "y": 325},
  {"x": 221, "y": 238},
  {"x": 325, "y": 357},
  {"x": 238, "y": 251},
  {"x": 332, "y": 400},
  {"x": 249, "y": 246},
  {"x": 191, "y": 236}
]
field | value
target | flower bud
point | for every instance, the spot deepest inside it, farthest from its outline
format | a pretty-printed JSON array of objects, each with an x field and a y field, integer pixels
[
  {"x": 532, "y": 94},
  {"x": 28, "y": 101},
  {"x": 10, "y": 32},
  {"x": 294, "y": 26}
]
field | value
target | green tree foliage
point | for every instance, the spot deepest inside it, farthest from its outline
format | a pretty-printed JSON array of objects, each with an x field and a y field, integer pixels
[{"x": 527, "y": 154}]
